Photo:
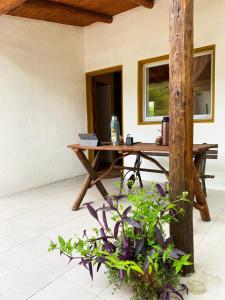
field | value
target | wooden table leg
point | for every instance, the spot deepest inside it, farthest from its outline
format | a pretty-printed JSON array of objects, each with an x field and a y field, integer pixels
[
  {"x": 198, "y": 192},
  {"x": 85, "y": 186},
  {"x": 87, "y": 165}
]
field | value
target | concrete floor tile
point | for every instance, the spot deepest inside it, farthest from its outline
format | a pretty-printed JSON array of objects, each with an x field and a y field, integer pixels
[
  {"x": 54, "y": 263},
  {"x": 62, "y": 289},
  {"x": 10, "y": 262},
  {"x": 29, "y": 220},
  {"x": 33, "y": 248},
  {"x": 109, "y": 294},
  {"x": 81, "y": 277},
  {"x": 23, "y": 282}
]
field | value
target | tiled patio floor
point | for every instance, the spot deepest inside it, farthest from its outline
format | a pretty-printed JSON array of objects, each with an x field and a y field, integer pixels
[{"x": 29, "y": 220}]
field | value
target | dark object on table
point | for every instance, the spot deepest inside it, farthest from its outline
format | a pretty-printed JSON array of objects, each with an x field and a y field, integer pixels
[
  {"x": 165, "y": 131},
  {"x": 158, "y": 140},
  {"x": 129, "y": 140},
  {"x": 88, "y": 139}
]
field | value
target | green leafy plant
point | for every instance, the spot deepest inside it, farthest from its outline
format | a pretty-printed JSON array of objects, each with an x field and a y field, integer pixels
[
  {"x": 159, "y": 95},
  {"x": 136, "y": 250}
]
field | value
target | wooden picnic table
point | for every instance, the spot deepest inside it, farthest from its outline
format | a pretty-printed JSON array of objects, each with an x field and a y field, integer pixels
[{"x": 143, "y": 150}]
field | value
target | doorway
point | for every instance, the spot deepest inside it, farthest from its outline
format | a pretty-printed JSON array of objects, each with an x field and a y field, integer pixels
[{"x": 104, "y": 99}]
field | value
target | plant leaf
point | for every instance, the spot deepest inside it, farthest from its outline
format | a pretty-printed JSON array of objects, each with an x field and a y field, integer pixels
[
  {"x": 139, "y": 246},
  {"x": 98, "y": 266},
  {"x": 156, "y": 266},
  {"x": 105, "y": 240},
  {"x": 122, "y": 274},
  {"x": 86, "y": 203},
  {"x": 121, "y": 196},
  {"x": 85, "y": 233},
  {"x": 132, "y": 222},
  {"x": 109, "y": 200},
  {"x": 161, "y": 189},
  {"x": 179, "y": 252},
  {"x": 166, "y": 295},
  {"x": 116, "y": 229},
  {"x": 159, "y": 237},
  {"x": 104, "y": 218},
  {"x": 105, "y": 208},
  {"x": 171, "y": 212},
  {"x": 61, "y": 241},
  {"x": 102, "y": 238},
  {"x": 152, "y": 252},
  {"x": 165, "y": 266},
  {"x": 175, "y": 292},
  {"x": 90, "y": 269},
  {"x": 145, "y": 265},
  {"x": 92, "y": 211},
  {"x": 126, "y": 211},
  {"x": 184, "y": 288},
  {"x": 85, "y": 262},
  {"x": 168, "y": 241},
  {"x": 137, "y": 269},
  {"x": 173, "y": 254}
]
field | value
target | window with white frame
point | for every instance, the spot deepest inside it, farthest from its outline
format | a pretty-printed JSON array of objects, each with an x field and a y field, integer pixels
[{"x": 154, "y": 96}]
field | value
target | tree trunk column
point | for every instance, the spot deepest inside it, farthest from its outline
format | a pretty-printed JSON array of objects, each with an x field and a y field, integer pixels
[{"x": 181, "y": 119}]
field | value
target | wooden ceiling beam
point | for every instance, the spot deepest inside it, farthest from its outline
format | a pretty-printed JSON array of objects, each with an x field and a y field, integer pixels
[
  {"x": 59, "y": 13},
  {"x": 145, "y": 3},
  {"x": 7, "y": 5}
]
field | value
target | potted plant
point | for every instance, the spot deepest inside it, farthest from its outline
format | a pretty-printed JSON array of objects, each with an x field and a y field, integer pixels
[{"x": 135, "y": 250}]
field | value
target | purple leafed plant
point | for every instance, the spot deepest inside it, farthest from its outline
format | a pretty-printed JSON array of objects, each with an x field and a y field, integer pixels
[{"x": 133, "y": 246}]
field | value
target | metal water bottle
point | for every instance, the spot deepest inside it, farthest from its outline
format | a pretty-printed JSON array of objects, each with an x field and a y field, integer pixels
[
  {"x": 165, "y": 131},
  {"x": 115, "y": 131}
]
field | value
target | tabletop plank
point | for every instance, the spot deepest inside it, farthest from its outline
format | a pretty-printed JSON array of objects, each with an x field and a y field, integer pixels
[{"x": 141, "y": 147}]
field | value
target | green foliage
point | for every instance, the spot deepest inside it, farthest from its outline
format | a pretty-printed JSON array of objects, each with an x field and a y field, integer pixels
[
  {"x": 136, "y": 250},
  {"x": 183, "y": 261},
  {"x": 159, "y": 95}
]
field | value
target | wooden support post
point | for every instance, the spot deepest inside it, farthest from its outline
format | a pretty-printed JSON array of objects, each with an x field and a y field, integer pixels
[{"x": 181, "y": 120}]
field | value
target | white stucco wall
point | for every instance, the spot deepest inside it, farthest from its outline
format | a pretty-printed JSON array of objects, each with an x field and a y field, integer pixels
[
  {"x": 141, "y": 34},
  {"x": 42, "y": 87},
  {"x": 42, "y": 103}
]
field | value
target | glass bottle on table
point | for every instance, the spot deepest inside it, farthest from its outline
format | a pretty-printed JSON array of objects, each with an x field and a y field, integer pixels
[{"x": 115, "y": 131}]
